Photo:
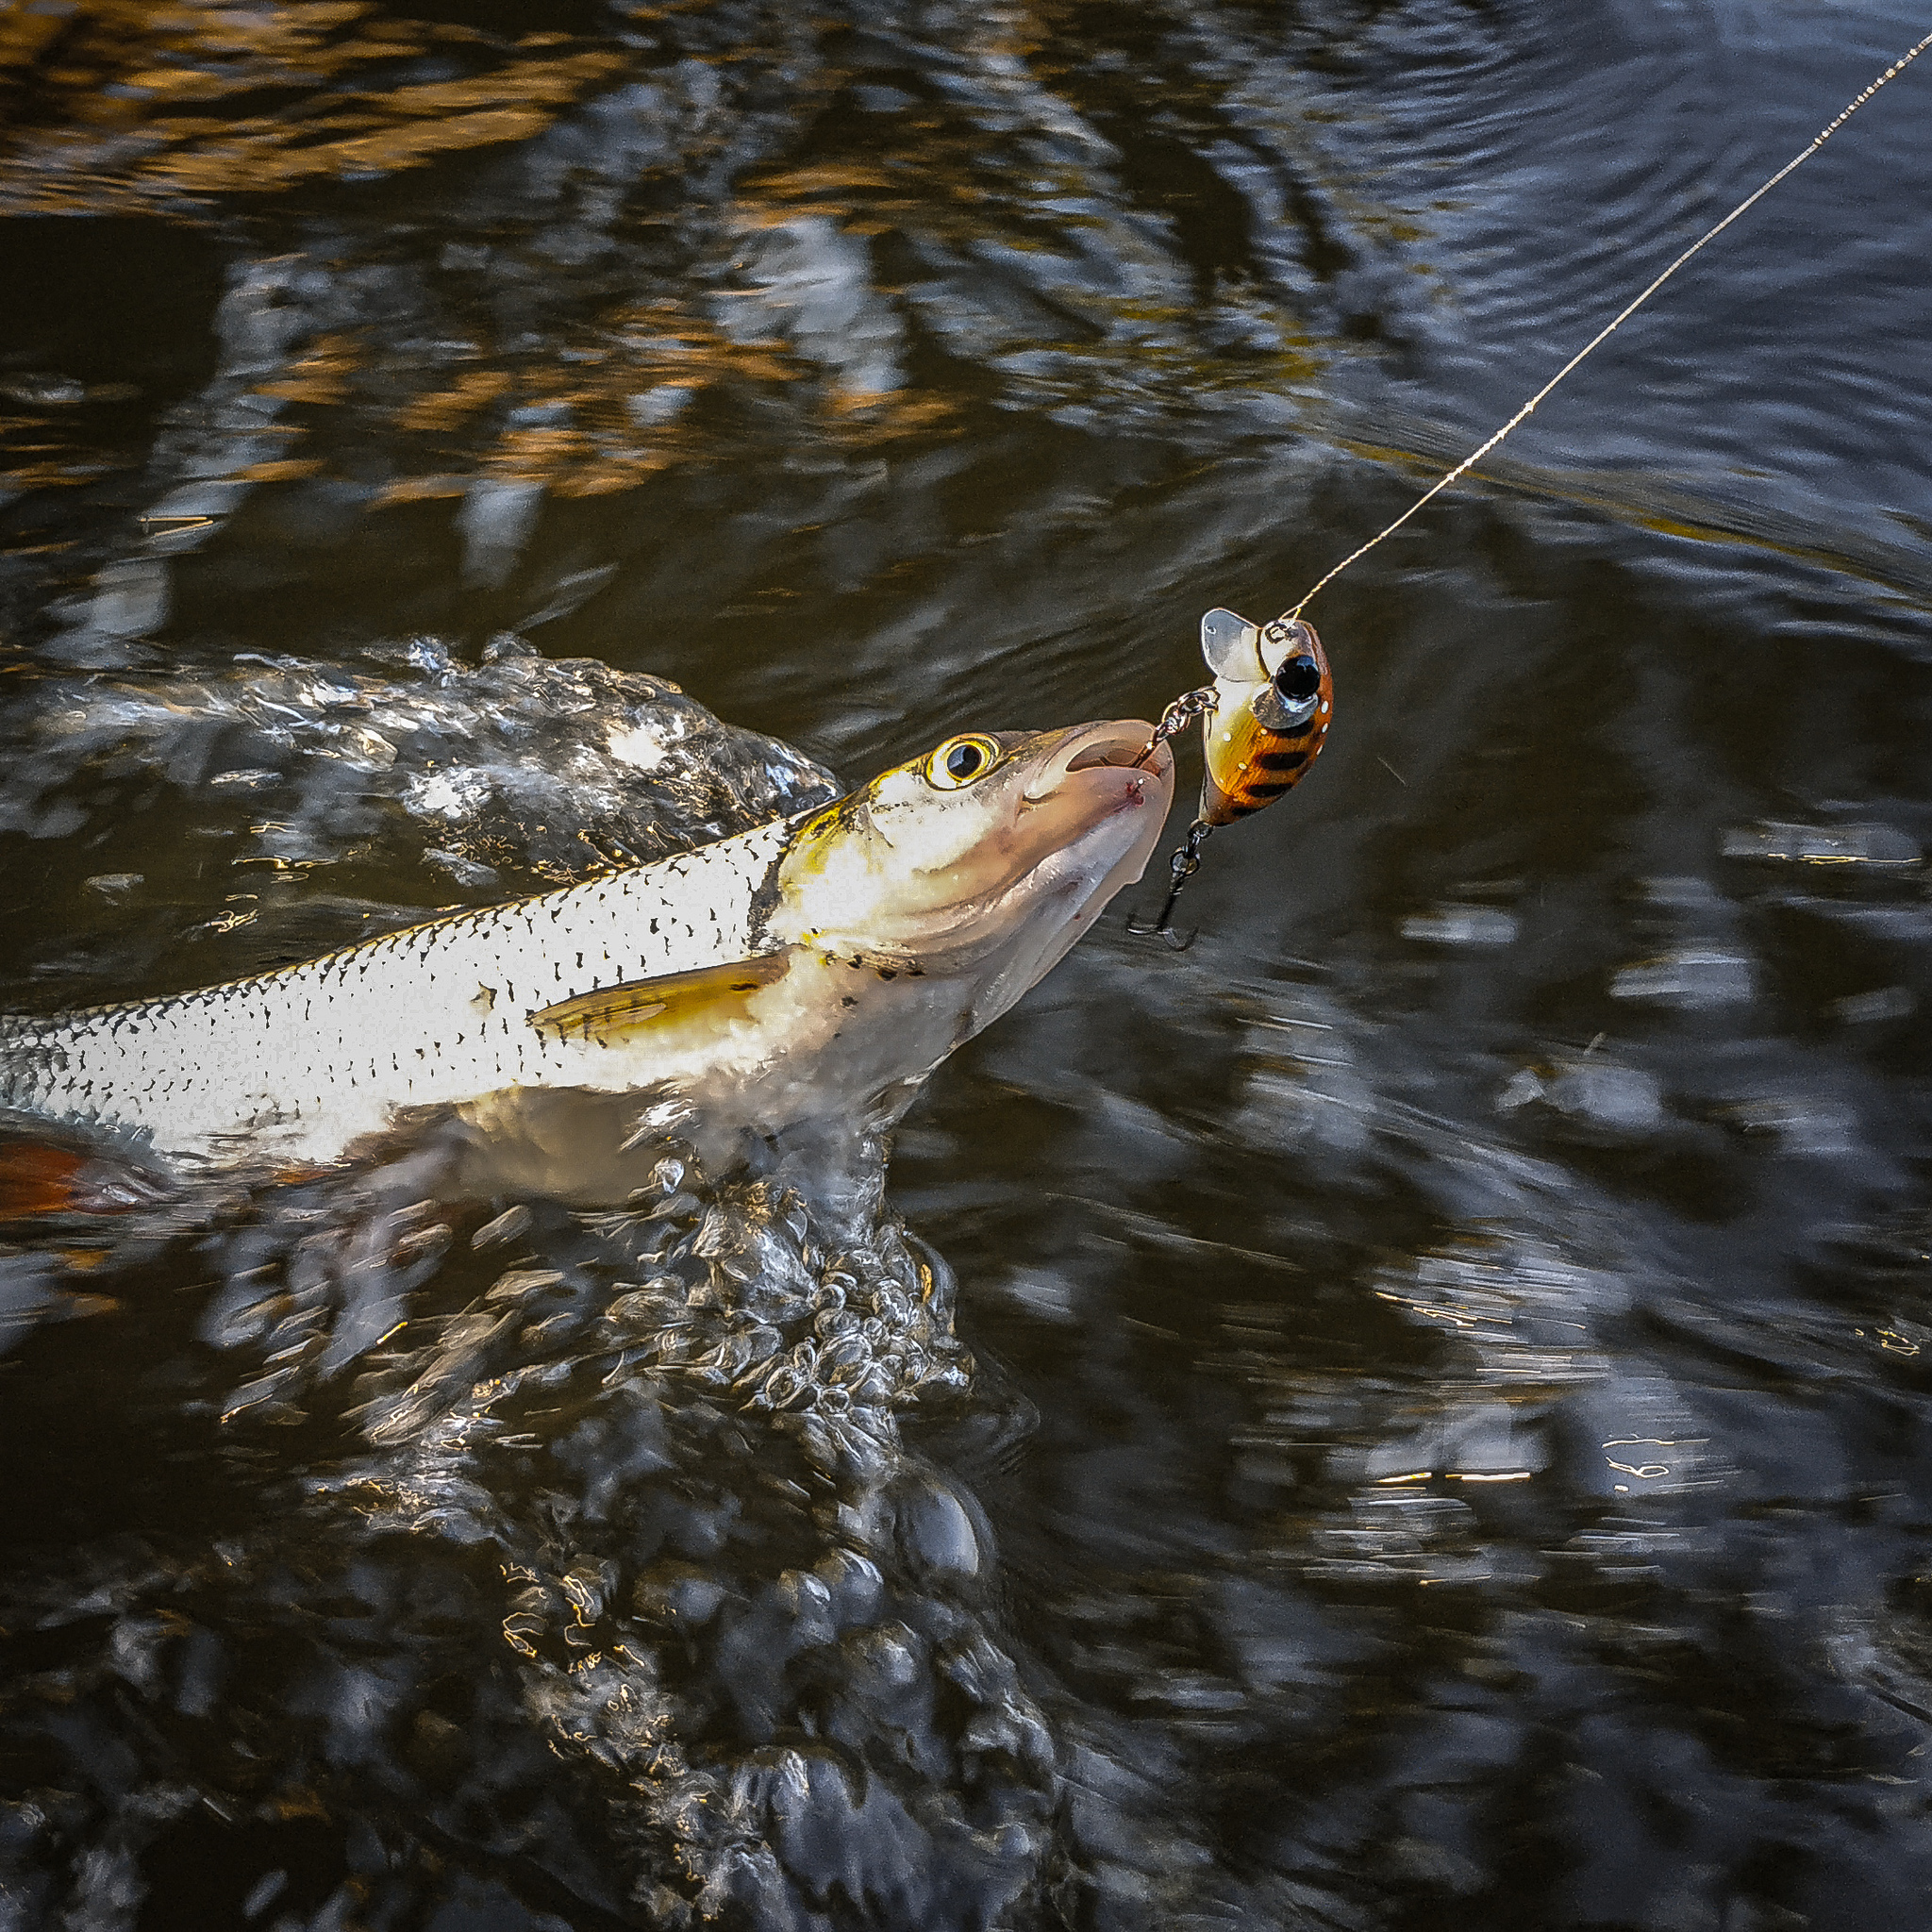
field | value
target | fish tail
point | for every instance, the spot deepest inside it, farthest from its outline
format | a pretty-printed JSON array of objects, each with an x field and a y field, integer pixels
[{"x": 40, "y": 1177}]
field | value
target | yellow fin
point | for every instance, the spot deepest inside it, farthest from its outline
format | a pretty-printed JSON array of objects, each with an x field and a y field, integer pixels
[{"x": 616, "y": 1012}]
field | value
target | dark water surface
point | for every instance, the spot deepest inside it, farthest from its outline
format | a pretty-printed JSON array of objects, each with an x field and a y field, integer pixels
[{"x": 1411, "y": 1413}]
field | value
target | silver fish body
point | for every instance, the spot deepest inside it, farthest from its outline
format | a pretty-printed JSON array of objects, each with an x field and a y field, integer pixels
[{"x": 821, "y": 964}]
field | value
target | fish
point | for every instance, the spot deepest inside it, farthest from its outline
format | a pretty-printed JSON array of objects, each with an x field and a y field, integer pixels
[
  {"x": 1274, "y": 700},
  {"x": 814, "y": 968}
]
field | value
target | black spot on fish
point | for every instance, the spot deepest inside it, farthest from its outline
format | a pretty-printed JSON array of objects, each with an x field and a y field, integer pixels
[
  {"x": 1273, "y": 789},
  {"x": 1282, "y": 760},
  {"x": 886, "y": 972},
  {"x": 848, "y": 1001}
]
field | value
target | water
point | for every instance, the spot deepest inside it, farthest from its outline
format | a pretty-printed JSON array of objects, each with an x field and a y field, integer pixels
[{"x": 1408, "y": 1413}]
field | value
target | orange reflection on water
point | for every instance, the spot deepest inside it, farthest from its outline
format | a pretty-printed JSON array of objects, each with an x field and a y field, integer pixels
[{"x": 109, "y": 94}]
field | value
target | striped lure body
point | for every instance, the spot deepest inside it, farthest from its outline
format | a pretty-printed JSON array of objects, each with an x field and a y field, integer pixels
[
  {"x": 1274, "y": 700},
  {"x": 813, "y": 963}
]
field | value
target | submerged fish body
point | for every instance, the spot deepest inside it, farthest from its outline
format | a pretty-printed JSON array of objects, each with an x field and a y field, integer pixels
[{"x": 820, "y": 965}]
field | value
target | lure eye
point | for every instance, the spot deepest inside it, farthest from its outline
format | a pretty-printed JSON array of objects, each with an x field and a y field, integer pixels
[
  {"x": 960, "y": 760},
  {"x": 1298, "y": 680}
]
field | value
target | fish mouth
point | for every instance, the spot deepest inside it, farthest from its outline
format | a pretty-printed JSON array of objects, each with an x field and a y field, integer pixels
[
  {"x": 1065, "y": 820},
  {"x": 1119, "y": 746}
]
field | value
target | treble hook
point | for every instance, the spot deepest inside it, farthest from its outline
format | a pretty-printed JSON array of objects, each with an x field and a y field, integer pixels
[
  {"x": 1182, "y": 867},
  {"x": 1187, "y": 861}
]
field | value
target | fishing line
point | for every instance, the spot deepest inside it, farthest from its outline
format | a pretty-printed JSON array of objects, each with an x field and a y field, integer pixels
[
  {"x": 1602, "y": 335},
  {"x": 1202, "y": 703}
]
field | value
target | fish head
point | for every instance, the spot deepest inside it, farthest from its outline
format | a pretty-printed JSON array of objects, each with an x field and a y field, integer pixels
[{"x": 986, "y": 857}]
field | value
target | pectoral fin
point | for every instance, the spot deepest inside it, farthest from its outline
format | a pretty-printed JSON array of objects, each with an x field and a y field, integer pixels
[{"x": 632, "y": 1008}]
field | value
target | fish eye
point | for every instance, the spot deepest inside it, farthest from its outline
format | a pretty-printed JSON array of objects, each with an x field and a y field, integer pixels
[
  {"x": 960, "y": 760},
  {"x": 1298, "y": 680}
]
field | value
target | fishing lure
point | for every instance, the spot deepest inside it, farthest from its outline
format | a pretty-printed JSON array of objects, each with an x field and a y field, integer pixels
[
  {"x": 1273, "y": 696},
  {"x": 1263, "y": 723}
]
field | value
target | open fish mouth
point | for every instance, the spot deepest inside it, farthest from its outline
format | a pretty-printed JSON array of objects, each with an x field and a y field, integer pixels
[
  {"x": 1118, "y": 745},
  {"x": 1125, "y": 752}
]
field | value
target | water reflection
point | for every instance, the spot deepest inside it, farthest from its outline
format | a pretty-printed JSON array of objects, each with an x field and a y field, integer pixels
[{"x": 1410, "y": 1413}]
